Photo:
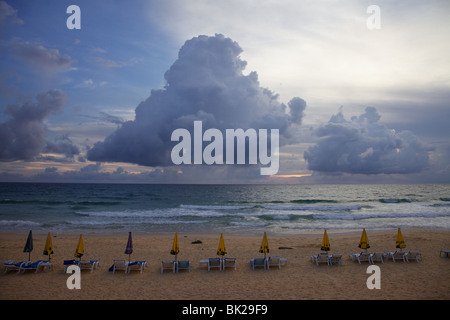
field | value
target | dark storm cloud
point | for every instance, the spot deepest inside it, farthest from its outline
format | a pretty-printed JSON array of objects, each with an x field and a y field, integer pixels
[
  {"x": 62, "y": 145},
  {"x": 364, "y": 146},
  {"x": 205, "y": 83},
  {"x": 23, "y": 136}
]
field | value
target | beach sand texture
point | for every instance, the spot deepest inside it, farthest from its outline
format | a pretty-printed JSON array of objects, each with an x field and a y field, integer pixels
[{"x": 301, "y": 279}]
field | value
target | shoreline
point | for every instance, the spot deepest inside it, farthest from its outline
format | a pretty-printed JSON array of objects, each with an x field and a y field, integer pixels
[{"x": 299, "y": 280}]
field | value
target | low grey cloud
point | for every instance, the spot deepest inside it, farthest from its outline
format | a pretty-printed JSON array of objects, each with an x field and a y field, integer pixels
[
  {"x": 23, "y": 135},
  {"x": 205, "y": 83},
  {"x": 40, "y": 56},
  {"x": 364, "y": 146},
  {"x": 8, "y": 14},
  {"x": 62, "y": 145}
]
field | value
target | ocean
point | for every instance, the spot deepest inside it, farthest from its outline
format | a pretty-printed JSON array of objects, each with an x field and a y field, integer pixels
[{"x": 232, "y": 209}]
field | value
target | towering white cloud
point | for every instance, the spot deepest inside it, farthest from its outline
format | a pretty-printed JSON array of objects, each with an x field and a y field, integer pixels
[
  {"x": 363, "y": 145},
  {"x": 205, "y": 83}
]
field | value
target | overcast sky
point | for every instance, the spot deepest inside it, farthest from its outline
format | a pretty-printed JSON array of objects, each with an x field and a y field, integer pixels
[{"x": 353, "y": 103}]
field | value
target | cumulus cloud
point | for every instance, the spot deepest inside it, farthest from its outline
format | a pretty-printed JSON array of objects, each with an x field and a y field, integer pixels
[
  {"x": 205, "y": 83},
  {"x": 363, "y": 145},
  {"x": 23, "y": 136}
]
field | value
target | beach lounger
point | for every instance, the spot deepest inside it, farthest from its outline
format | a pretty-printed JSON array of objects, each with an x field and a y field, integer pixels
[
  {"x": 445, "y": 252},
  {"x": 9, "y": 262},
  {"x": 258, "y": 262},
  {"x": 361, "y": 257},
  {"x": 10, "y": 265},
  {"x": 377, "y": 256},
  {"x": 184, "y": 264},
  {"x": 35, "y": 266},
  {"x": 137, "y": 266},
  {"x": 274, "y": 261},
  {"x": 321, "y": 258},
  {"x": 120, "y": 265},
  {"x": 335, "y": 258},
  {"x": 68, "y": 263},
  {"x": 413, "y": 255},
  {"x": 214, "y": 263},
  {"x": 87, "y": 264},
  {"x": 229, "y": 263},
  {"x": 397, "y": 255},
  {"x": 167, "y": 265}
]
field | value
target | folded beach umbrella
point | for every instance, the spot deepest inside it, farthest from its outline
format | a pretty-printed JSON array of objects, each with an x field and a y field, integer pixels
[
  {"x": 129, "y": 248},
  {"x": 221, "y": 251},
  {"x": 175, "y": 246},
  {"x": 364, "y": 242},
  {"x": 79, "y": 252},
  {"x": 325, "y": 242},
  {"x": 400, "y": 242},
  {"x": 29, "y": 245},
  {"x": 264, "y": 245},
  {"x": 48, "y": 249}
]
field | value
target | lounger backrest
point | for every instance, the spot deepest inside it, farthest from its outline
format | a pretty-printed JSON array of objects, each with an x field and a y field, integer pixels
[
  {"x": 274, "y": 259},
  {"x": 167, "y": 264},
  {"x": 183, "y": 264},
  {"x": 214, "y": 261},
  {"x": 322, "y": 257}
]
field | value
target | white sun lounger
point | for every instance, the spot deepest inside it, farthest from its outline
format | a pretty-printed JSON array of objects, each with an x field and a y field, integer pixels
[
  {"x": 378, "y": 256},
  {"x": 137, "y": 266},
  {"x": 274, "y": 261},
  {"x": 361, "y": 257},
  {"x": 87, "y": 264},
  {"x": 258, "y": 262},
  {"x": 398, "y": 255},
  {"x": 229, "y": 263},
  {"x": 120, "y": 265},
  {"x": 214, "y": 263},
  {"x": 413, "y": 255},
  {"x": 321, "y": 258}
]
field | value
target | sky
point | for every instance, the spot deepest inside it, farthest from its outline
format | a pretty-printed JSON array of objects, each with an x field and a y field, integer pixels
[{"x": 359, "y": 94}]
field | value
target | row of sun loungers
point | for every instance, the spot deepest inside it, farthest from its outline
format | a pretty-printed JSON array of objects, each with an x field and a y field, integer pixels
[
  {"x": 128, "y": 266},
  {"x": 175, "y": 266},
  {"x": 328, "y": 259},
  {"x": 82, "y": 264},
  {"x": 382, "y": 256},
  {"x": 218, "y": 263},
  {"x": 221, "y": 264},
  {"x": 23, "y": 266},
  {"x": 266, "y": 263},
  {"x": 369, "y": 257}
]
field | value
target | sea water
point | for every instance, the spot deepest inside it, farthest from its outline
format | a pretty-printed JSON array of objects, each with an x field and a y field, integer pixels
[{"x": 233, "y": 209}]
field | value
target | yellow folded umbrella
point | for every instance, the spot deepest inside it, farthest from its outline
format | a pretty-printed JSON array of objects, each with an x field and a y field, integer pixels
[
  {"x": 400, "y": 242},
  {"x": 325, "y": 242},
  {"x": 264, "y": 245},
  {"x": 48, "y": 249},
  {"x": 221, "y": 251},
  {"x": 364, "y": 242},
  {"x": 175, "y": 246},
  {"x": 79, "y": 252}
]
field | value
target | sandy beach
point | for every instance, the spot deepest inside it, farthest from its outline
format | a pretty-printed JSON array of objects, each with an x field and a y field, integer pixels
[{"x": 428, "y": 279}]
